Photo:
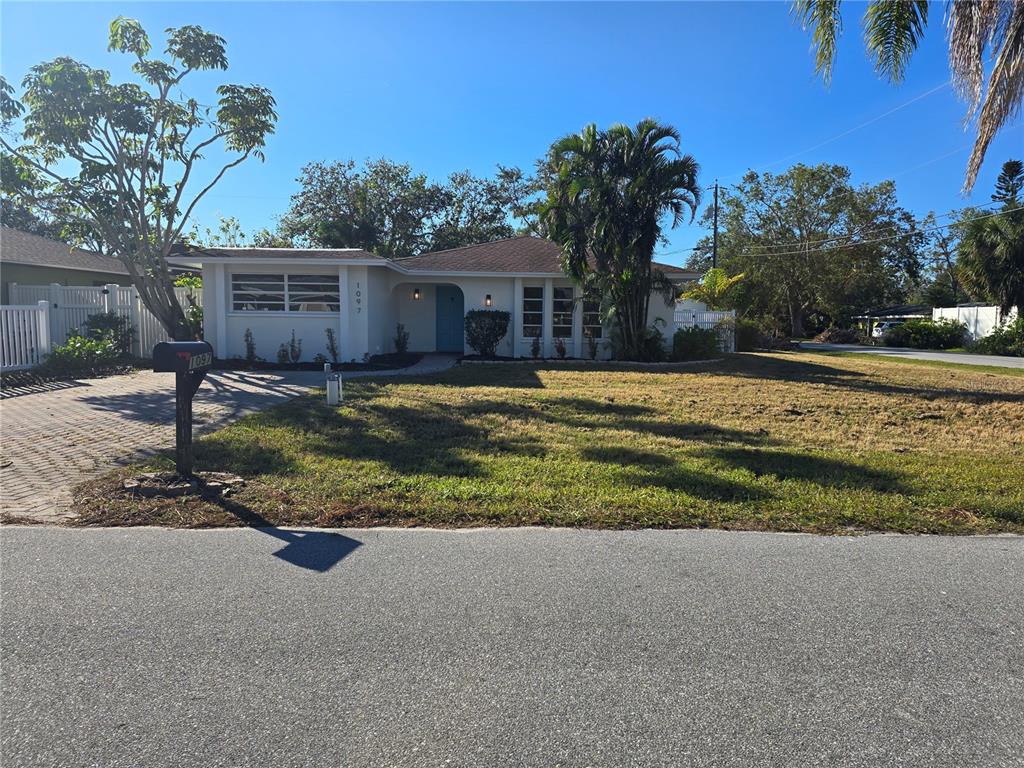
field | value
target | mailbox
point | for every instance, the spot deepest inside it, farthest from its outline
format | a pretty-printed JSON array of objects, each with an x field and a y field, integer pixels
[
  {"x": 174, "y": 356},
  {"x": 188, "y": 361}
]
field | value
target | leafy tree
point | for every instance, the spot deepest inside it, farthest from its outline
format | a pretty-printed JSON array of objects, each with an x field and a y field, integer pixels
[
  {"x": 714, "y": 288},
  {"x": 610, "y": 190},
  {"x": 942, "y": 286},
  {"x": 991, "y": 256},
  {"x": 894, "y": 28},
  {"x": 813, "y": 247},
  {"x": 384, "y": 208},
  {"x": 1010, "y": 182},
  {"x": 477, "y": 210},
  {"x": 119, "y": 159},
  {"x": 387, "y": 208}
]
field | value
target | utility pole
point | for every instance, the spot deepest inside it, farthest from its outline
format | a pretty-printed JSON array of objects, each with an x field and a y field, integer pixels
[{"x": 714, "y": 247}]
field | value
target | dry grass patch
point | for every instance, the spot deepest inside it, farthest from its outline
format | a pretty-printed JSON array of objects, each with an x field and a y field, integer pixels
[{"x": 786, "y": 441}]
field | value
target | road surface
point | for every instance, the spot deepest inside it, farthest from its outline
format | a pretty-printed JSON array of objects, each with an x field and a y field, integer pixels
[
  {"x": 524, "y": 647},
  {"x": 964, "y": 358}
]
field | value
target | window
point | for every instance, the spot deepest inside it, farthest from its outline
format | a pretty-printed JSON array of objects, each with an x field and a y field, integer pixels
[
  {"x": 533, "y": 310},
  {"x": 280, "y": 293},
  {"x": 561, "y": 313},
  {"x": 592, "y": 319}
]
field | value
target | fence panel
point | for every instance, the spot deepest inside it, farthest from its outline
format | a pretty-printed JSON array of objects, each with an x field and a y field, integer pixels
[
  {"x": 980, "y": 321},
  {"x": 71, "y": 305},
  {"x": 723, "y": 322},
  {"x": 24, "y": 335}
]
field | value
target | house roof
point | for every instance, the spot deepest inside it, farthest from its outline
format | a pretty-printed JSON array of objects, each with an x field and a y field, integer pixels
[
  {"x": 17, "y": 247},
  {"x": 518, "y": 255},
  {"x": 525, "y": 255},
  {"x": 194, "y": 254}
]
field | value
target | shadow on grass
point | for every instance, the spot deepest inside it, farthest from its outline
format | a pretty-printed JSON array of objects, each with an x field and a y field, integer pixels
[
  {"x": 807, "y": 467},
  {"x": 802, "y": 372}
]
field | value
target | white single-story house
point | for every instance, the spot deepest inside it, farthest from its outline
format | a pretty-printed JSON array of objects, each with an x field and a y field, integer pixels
[{"x": 363, "y": 297}]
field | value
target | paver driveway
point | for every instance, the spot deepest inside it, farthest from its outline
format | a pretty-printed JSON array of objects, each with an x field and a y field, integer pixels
[{"x": 51, "y": 440}]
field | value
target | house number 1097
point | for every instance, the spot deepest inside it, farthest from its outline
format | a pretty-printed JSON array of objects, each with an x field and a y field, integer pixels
[{"x": 359, "y": 299}]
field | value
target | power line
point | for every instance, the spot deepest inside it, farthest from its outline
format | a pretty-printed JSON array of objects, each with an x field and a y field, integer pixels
[{"x": 885, "y": 239}]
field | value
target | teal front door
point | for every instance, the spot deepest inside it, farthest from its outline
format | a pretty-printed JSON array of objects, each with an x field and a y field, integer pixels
[{"x": 450, "y": 312}]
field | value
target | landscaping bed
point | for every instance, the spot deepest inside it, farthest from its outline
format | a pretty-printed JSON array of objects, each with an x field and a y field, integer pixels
[
  {"x": 388, "y": 362},
  {"x": 784, "y": 441}
]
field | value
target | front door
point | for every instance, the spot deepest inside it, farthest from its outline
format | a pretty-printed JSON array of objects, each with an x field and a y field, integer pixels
[{"x": 450, "y": 313}]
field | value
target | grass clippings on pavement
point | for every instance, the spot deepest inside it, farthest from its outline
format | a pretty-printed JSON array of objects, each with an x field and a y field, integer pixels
[{"x": 785, "y": 441}]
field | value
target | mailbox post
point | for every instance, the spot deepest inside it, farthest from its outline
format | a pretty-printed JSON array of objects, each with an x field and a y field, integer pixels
[{"x": 188, "y": 361}]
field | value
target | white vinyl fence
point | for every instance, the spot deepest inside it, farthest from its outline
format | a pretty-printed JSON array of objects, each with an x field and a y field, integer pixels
[
  {"x": 24, "y": 335},
  {"x": 723, "y": 322},
  {"x": 63, "y": 309},
  {"x": 980, "y": 321}
]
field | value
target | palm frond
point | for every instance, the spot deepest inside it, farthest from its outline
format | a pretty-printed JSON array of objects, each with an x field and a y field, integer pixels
[
  {"x": 1005, "y": 91},
  {"x": 825, "y": 21},
  {"x": 892, "y": 31}
]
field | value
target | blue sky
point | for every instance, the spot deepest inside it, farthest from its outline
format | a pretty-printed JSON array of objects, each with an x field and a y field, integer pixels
[{"x": 466, "y": 85}]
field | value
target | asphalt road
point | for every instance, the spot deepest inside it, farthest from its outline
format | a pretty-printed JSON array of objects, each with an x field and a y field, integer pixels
[
  {"x": 964, "y": 358},
  {"x": 520, "y": 647}
]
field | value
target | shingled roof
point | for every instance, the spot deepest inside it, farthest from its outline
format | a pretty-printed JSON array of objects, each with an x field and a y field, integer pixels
[
  {"x": 17, "y": 247},
  {"x": 527, "y": 255},
  {"x": 185, "y": 253}
]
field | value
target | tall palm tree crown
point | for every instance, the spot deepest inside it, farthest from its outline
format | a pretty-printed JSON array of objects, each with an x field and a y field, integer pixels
[
  {"x": 893, "y": 29},
  {"x": 610, "y": 190}
]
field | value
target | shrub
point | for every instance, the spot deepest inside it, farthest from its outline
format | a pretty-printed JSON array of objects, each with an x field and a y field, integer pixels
[
  {"x": 250, "y": 346},
  {"x": 294, "y": 349},
  {"x": 651, "y": 348},
  {"x": 193, "y": 312},
  {"x": 839, "y": 336},
  {"x": 926, "y": 334},
  {"x": 591, "y": 344},
  {"x": 485, "y": 328},
  {"x": 535, "y": 347},
  {"x": 81, "y": 354},
  {"x": 560, "y": 348},
  {"x": 748, "y": 335},
  {"x": 282, "y": 355},
  {"x": 112, "y": 327},
  {"x": 332, "y": 345},
  {"x": 401, "y": 340},
  {"x": 1006, "y": 340},
  {"x": 695, "y": 344}
]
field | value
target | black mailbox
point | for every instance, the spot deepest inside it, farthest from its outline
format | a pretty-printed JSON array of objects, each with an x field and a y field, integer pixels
[
  {"x": 188, "y": 361},
  {"x": 174, "y": 356}
]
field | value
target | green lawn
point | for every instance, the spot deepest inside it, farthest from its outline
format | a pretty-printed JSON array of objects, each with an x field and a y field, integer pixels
[{"x": 787, "y": 441}]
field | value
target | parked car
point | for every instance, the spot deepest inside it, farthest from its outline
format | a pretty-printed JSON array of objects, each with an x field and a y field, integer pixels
[{"x": 879, "y": 330}]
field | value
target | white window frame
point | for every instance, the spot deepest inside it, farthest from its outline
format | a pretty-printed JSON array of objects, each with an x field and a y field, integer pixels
[
  {"x": 555, "y": 301},
  {"x": 539, "y": 301},
  {"x": 595, "y": 314},
  {"x": 285, "y": 279}
]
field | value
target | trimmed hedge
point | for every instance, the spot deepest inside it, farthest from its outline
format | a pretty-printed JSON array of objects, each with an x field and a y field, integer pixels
[
  {"x": 485, "y": 328},
  {"x": 695, "y": 344},
  {"x": 926, "y": 334}
]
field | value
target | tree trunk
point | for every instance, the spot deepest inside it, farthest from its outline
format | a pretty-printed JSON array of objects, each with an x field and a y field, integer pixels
[{"x": 796, "y": 319}]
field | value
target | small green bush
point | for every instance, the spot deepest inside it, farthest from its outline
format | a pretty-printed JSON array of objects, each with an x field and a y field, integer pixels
[
  {"x": 82, "y": 355},
  {"x": 401, "y": 339},
  {"x": 695, "y": 344},
  {"x": 1006, "y": 340},
  {"x": 748, "y": 335},
  {"x": 485, "y": 328},
  {"x": 535, "y": 347},
  {"x": 113, "y": 327},
  {"x": 926, "y": 334}
]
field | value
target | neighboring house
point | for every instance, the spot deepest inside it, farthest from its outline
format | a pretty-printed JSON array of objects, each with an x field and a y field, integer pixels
[
  {"x": 34, "y": 260},
  {"x": 899, "y": 313},
  {"x": 362, "y": 297},
  {"x": 979, "y": 319}
]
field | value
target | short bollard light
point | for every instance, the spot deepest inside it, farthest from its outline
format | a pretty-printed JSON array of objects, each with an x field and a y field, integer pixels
[
  {"x": 334, "y": 389},
  {"x": 188, "y": 361}
]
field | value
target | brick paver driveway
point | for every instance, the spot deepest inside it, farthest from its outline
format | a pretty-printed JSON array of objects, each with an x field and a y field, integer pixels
[{"x": 51, "y": 440}]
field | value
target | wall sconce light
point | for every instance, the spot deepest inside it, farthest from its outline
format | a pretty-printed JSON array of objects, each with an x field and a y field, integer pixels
[
  {"x": 416, "y": 294},
  {"x": 487, "y": 300}
]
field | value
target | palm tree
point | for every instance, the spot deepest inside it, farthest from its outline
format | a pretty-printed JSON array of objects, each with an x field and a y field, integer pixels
[
  {"x": 893, "y": 29},
  {"x": 608, "y": 193},
  {"x": 991, "y": 257},
  {"x": 713, "y": 289}
]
